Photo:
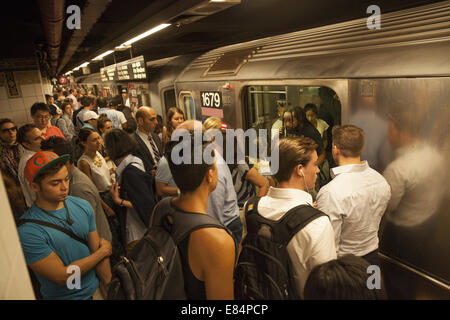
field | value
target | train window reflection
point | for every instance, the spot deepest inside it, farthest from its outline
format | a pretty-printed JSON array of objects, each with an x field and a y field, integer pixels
[{"x": 188, "y": 105}]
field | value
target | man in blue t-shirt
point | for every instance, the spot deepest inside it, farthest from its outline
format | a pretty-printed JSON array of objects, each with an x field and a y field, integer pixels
[{"x": 56, "y": 258}]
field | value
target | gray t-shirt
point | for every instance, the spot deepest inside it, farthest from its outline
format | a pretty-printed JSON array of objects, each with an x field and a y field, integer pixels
[
  {"x": 163, "y": 173},
  {"x": 82, "y": 187}
]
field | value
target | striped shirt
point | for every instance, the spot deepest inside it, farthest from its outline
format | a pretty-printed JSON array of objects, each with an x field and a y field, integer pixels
[{"x": 244, "y": 188}]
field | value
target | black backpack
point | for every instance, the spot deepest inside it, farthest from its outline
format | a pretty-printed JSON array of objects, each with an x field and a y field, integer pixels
[
  {"x": 153, "y": 269},
  {"x": 264, "y": 269}
]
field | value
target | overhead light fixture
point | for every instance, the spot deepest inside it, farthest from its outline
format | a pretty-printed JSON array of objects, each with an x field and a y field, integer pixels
[
  {"x": 104, "y": 54},
  {"x": 145, "y": 34},
  {"x": 85, "y": 64}
]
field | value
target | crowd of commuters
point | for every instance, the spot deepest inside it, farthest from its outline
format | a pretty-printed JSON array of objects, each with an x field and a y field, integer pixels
[{"x": 99, "y": 173}]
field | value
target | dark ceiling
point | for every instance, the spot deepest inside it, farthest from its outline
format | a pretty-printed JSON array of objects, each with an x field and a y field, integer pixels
[{"x": 120, "y": 20}]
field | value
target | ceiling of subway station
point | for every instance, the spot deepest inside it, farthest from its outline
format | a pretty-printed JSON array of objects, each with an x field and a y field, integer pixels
[{"x": 108, "y": 23}]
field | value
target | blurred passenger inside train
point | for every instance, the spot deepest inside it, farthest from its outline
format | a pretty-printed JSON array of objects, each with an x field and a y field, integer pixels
[
  {"x": 94, "y": 165},
  {"x": 297, "y": 174},
  {"x": 117, "y": 118},
  {"x": 311, "y": 113},
  {"x": 149, "y": 148},
  {"x": 295, "y": 124},
  {"x": 48, "y": 251},
  {"x": 208, "y": 253},
  {"x": 40, "y": 113},
  {"x": 133, "y": 192},
  {"x": 159, "y": 126},
  {"x": 356, "y": 198},
  {"x": 30, "y": 137},
  {"x": 87, "y": 105},
  {"x": 65, "y": 123},
  {"x": 415, "y": 175},
  {"x": 330, "y": 112},
  {"x": 281, "y": 107},
  {"x": 343, "y": 279}
]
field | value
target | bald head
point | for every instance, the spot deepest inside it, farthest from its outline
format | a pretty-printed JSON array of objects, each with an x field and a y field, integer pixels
[{"x": 146, "y": 120}]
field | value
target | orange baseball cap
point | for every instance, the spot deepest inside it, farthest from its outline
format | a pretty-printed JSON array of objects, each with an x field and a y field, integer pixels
[{"x": 41, "y": 162}]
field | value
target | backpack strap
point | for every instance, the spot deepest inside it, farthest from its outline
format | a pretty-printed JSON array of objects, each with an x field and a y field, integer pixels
[
  {"x": 295, "y": 220},
  {"x": 53, "y": 226},
  {"x": 280, "y": 231},
  {"x": 184, "y": 223}
]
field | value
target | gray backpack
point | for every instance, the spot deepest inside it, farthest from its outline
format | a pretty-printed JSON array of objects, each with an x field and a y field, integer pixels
[{"x": 153, "y": 269}]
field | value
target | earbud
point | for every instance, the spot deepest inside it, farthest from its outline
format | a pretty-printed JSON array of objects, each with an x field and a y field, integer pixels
[{"x": 302, "y": 172}]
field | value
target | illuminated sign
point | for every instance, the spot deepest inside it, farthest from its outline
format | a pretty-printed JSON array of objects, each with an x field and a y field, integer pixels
[{"x": 133, "y": 69}]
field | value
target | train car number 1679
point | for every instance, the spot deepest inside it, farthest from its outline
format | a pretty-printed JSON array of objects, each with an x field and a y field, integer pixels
[{"x": 211, "y": 99}]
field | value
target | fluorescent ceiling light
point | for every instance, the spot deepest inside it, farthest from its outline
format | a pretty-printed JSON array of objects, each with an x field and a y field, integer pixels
[
  {"x": 85, "y": 64},
  {"x": 145, "y": 34},
  {"x": 104, "y": 54}
]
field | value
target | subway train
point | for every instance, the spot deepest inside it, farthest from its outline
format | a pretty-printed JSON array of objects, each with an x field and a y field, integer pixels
[{"x": 393, "y": 82}]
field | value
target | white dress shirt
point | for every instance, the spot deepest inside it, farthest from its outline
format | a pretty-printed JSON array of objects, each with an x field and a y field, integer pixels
[
  {"x": 355, "y": 200},
  {"x": 418, "y": 179},
  {"x": 30, "y": 195},
  {"x": 311, "y": 246}
]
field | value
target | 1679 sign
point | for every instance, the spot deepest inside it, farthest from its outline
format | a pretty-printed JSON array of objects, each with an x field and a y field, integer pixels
[{"x": 211, "y": 99}]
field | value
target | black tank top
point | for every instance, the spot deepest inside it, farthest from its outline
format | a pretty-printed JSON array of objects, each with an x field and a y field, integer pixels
[{"x": 195, "y": 289}]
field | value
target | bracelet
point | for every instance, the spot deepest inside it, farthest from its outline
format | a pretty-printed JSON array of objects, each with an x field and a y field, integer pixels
[{"x": 121, "y": 203}]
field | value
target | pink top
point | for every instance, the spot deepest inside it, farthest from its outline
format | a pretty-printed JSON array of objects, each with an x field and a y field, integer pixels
[{"x": 52, "y": 131}]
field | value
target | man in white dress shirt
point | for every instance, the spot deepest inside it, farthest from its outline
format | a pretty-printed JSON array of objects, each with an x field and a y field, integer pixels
[
  {"x": 356, "y": 198},
  {"x": 314, "y": 244}
]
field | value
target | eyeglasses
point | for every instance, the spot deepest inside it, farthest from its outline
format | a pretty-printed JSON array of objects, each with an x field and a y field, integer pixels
[
  {"x": 42, "y": 117},
  {"x": 9, "y": 129}
]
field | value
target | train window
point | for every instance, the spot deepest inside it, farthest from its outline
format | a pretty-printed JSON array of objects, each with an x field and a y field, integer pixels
[
  {"x": 187, "y": 105},
  {"x": 264, "y": 104},
  {"x": 169, "y": 99}
]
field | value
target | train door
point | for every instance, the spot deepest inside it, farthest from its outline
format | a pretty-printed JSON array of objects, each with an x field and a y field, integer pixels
[{"x": 187, "y": 104}]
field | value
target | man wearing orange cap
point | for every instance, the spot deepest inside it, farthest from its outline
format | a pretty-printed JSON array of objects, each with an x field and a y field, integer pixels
[{"x": 58, "y": 234}]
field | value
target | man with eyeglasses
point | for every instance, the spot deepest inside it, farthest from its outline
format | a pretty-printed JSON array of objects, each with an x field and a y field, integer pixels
[
  {"x": 30, "y": 137},
  {"x": 40, "y": 113},
  {"x": 10, "y": 150}
]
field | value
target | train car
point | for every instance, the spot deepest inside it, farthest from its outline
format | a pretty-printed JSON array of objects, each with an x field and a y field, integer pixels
[{"x": 392, "y": 82}]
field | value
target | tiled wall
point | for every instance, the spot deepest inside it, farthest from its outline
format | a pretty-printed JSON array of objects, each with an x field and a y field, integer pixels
[
  {"x": 15, "y": 282},
  {"x": 32, "y": 89}
]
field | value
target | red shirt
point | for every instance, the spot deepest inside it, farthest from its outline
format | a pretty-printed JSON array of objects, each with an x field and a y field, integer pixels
[{"x": 52, "y": 131}]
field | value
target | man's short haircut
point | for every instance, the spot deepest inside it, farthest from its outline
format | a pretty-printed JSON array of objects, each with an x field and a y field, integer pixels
[
  {"x": 59, "y": 146},
  {"x": 312, "y": 107},
  {"x": 39, "y": 106},
  {"x": 102, "y": 120},
  {"x": 49, "y": 172},
  {"x": 349, "y": 139},
  {"x": 5, "y": 120},
  {"x": 119, "y": 144},
  {"x": 87, "y": 101},
  {"x": 341, "y": 279},
  {"x": 23, "y": 131},
  {"x": 292, "y": 152},
  {"x": 102, "y": 103},
  {"x": 187, "y": 177}
]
